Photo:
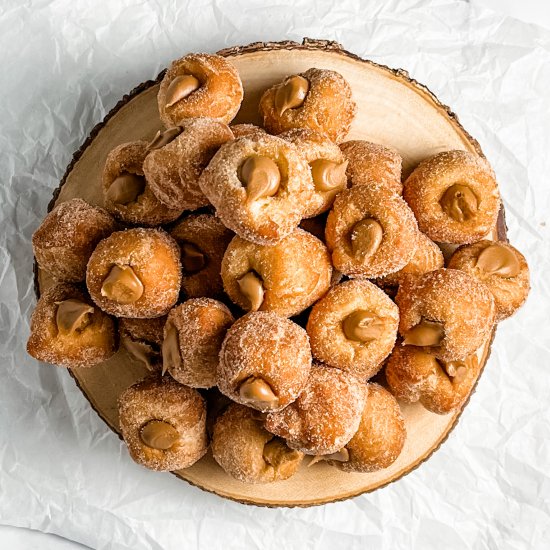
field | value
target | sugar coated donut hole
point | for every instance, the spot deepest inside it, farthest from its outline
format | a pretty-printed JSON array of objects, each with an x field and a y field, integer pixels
[
  {"x": 326, "y": 414},
  {"x": 260, "y": 186},
  {"x": 203, "y": 240},
  {"x": 135, "y": 273},
  {"x": 454, "y": 196},
  {"x": 193, "y": 335},
  {"x": 200, "y": 85},
  {"x": 319, "y": 99},
  {"x": 163, "y": 423},
  {"x": 380, "y": 438},
  {"x": 264, "y": 361},
  {"x": 69, "y": 331},
  {"x": 501, "y": 268},
  {"x": 370, "y": 162},
  {"x": 126, "y": 193},
  {"x": 65, "y": 240},
  {"x": 247, "y": 452},
  {"x": 371, "y": 232},
  {"x": 286, "y": 278},
  {"x": 440, "y": 386},
  {"x": 445, "y": 312},
  {"x": 177, "y": 157},
  {"x": 353, "y": 327}
]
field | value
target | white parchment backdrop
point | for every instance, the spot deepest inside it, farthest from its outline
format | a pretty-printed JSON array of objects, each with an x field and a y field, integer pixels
[{"x": 64, "y": 64}]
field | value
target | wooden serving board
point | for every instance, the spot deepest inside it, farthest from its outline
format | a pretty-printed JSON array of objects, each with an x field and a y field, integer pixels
[{"x": 392, "y": 110}]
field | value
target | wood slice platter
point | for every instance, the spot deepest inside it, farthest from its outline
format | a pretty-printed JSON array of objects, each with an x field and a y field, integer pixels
[{"x": 393, "y": 110}]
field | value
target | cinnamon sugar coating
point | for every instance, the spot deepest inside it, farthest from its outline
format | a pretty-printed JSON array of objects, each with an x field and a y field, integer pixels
[
  {"x": 427, "y": 257},
  {"x": 173, "y": 171},
  {"x": 326, "y": 414},
  {"x": 246, "y": 130},
  {"x": 94, "y": 340},
  {"x": 146, "y": 209},
  {"x": 142, "y": 339},
  {"x": 328, "y": 106},
  {"x": 370, "y": 162},
  {"x": 219, "y": 94},
  {"x": 164, "y": 400},
  {"x": 426, "y": 192},
  {"x": 263, "y": 220},
  {"x": 462, "y": 306},
  {"x": 67, "y": 236},
  {"x": 294, "y": 273},
  {"x": 201, "y": 325},
  {"x": 329, "y": 341},
  {"x": 399, "y": 234},
  {"x": 201, "y": 262},
  {"x": 509, "y": 292},
  {"x": 153, "y": 256},
  {"x": 263, "y": 345},
  {"x": 414, "y": 375},
  {"x": 247, "y": 452},
  {"x": 381, "y": 435},
  {"x": 317, "y": 147}
]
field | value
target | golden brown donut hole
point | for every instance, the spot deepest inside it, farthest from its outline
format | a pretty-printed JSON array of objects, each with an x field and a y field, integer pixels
[
  {"x": 454, "y": 197},
  {"x": 135, "y": 273},
  {"x": 353, "y": 327},
  {"x": 214, "y": 89},
  {"x": 126, "y": 194},
  {"x": 247, "y": 452},
  {"x": 68, "y": 330},
  {"x": 445, "y": 312},
  {"x": 67, "y": 237},
  {"x": 163, "y": 423},
  {"x": 202, "y": 239},
  {"x": 440, "y": 386},
  {"x": 370, "y": 162},
  {"x": 326, "y": 414},
  {"x": 501, "y": 268},
  {"x": 319, "y": 99},
  {"x": 172, "y": 169},
  {"x": 370, "y": 231},
  {"x": 264, "y": 361},
  {"x": 259, "y": 214},
  {"x": 193, "y": 336},
  {"x": 381, "y": 435},
  {"x": 286, "y": 278},
  {"x": 327, "y": 165}
]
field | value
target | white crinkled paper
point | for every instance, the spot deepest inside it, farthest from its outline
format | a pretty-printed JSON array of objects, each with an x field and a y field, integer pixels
[{"x": 65, "y": 63}]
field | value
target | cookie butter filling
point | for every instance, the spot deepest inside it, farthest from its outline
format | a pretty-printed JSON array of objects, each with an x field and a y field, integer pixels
[
  {"x": 141, "y": 351},
  {"x": 122, "y": 285},
  {"x": 341, "y": 456},
  {"x": 252, "y": 288},
  {"x": 261, "y": 177},
  {"x": 125, "y": 189},
  {"x": 72, "y": 315},
  {"x": 363, "y": 326},
  {"x": 180, "y": 88},
  {"x": 328, "y": 175},
  {"x": 498, "y": 260},
  {"x": 366, "y": 238},
  {"x": 171, "y": 356},
  {"x": 258, "y": 392},
  {"x": 277, "y": 454},
  {"x": 291, "y": 94},
  {"x": 459, "y": 202},
  {"x": 192, "y": 258},
  {"x": 158, "y": 434},
  {"x": 164, "y": 138},
  {"x": 426, "y": 333}
]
